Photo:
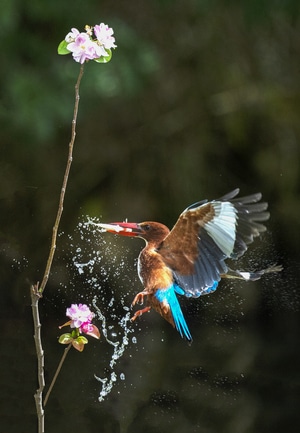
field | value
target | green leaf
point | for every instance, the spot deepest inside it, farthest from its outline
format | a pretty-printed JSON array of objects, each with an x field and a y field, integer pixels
[
  {"x": 75, "y": 333},
  {"x": 62, "y": 48},
  {"x": 65, "y": 338},
  {"x": 82, "y": 339},
  {"x": 79, "y": 343},
  {"x": 105, "y": 59}
]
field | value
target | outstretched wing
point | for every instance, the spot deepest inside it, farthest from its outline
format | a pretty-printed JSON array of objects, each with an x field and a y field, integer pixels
[{"x": 206, "y": 234}]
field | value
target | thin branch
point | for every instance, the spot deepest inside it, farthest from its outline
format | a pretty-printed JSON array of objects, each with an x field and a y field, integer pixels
[
  {"x": 40, "y": 357},
  {"x": 64, "y": 186},
  {"x": 36, "y": 291},
  {"x": 57, "y": 372}
]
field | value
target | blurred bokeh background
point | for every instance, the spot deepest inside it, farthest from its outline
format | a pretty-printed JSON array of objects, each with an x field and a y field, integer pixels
[{"x": 200, "y": 97}]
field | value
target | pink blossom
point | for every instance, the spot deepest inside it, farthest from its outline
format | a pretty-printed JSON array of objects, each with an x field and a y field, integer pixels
[
  {"x": 86, "y": 328},
  {"x": 71, "y": 36},
  {"x": 93, "y": 44},
  {"x": 90, "y": 329},
  {"x": 80, "y": 315},
  {"x": 100, "y": 51},
  {"x": 83, "y": 48},
  {"x": 81, "y": 318},
  {"x": 104, "y": 36}
]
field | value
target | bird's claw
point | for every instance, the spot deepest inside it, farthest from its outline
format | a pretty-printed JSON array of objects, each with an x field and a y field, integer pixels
[
  {"x": 139, "y": 313},
  {"x": 139, "y": 299}
]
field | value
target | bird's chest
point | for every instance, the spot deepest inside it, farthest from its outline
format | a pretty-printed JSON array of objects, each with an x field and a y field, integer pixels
[{"x": 153, "y": 272}]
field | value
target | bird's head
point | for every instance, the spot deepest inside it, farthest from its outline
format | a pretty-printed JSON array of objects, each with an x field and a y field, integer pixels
[{"x": 151, "y": 232}]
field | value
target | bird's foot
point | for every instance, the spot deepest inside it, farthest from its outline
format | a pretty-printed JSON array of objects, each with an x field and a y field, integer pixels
[
  {"x": 139, "y": 313},
  {"x": 139, "y": 299}
]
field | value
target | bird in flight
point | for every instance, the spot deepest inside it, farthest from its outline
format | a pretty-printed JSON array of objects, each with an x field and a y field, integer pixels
[{"x": 190, "y": 259}]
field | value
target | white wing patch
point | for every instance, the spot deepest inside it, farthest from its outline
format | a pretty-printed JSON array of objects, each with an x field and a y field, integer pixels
[{"x": 222, "y": 228}]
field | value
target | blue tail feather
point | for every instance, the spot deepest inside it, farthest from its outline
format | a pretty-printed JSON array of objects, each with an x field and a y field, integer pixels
[{"x": 169, "y": 295}]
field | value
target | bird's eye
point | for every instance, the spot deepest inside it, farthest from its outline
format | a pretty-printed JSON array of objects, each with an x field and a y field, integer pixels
[{"x": 146, "y": 227}]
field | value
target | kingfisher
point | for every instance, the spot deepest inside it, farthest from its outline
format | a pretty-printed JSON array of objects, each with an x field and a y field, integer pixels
[{"x": 190, "y": 260}]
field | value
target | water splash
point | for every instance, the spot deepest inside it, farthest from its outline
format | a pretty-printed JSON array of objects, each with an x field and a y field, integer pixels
[
  {"x": 119, "y": 348},
  {"x": 102, "y": 269}
]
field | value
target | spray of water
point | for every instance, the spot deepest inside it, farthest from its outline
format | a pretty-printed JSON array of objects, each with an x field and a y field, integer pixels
[
  {"x": 105, "y": 277},
  {"x": 119, "y": 348}
]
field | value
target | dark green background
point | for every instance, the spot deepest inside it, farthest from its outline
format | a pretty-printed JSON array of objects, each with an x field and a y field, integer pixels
[{"x": 199, "y": 98}]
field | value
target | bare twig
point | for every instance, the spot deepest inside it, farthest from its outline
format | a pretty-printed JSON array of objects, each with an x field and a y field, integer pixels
[
  {"x": 36, "y": 290},
  {"x": 40, "y": 357},
  {"x": 57, "y": 372},
  {"x": 64, "y": 186}
]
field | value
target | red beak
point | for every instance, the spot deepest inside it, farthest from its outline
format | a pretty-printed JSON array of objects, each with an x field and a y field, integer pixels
[{"x": 123, "y": 229}]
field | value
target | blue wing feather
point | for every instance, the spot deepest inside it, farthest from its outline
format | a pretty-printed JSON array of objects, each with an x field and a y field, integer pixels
[
  {"x": 217, "y": 230},
  {"x": 207, "y": 269}
]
